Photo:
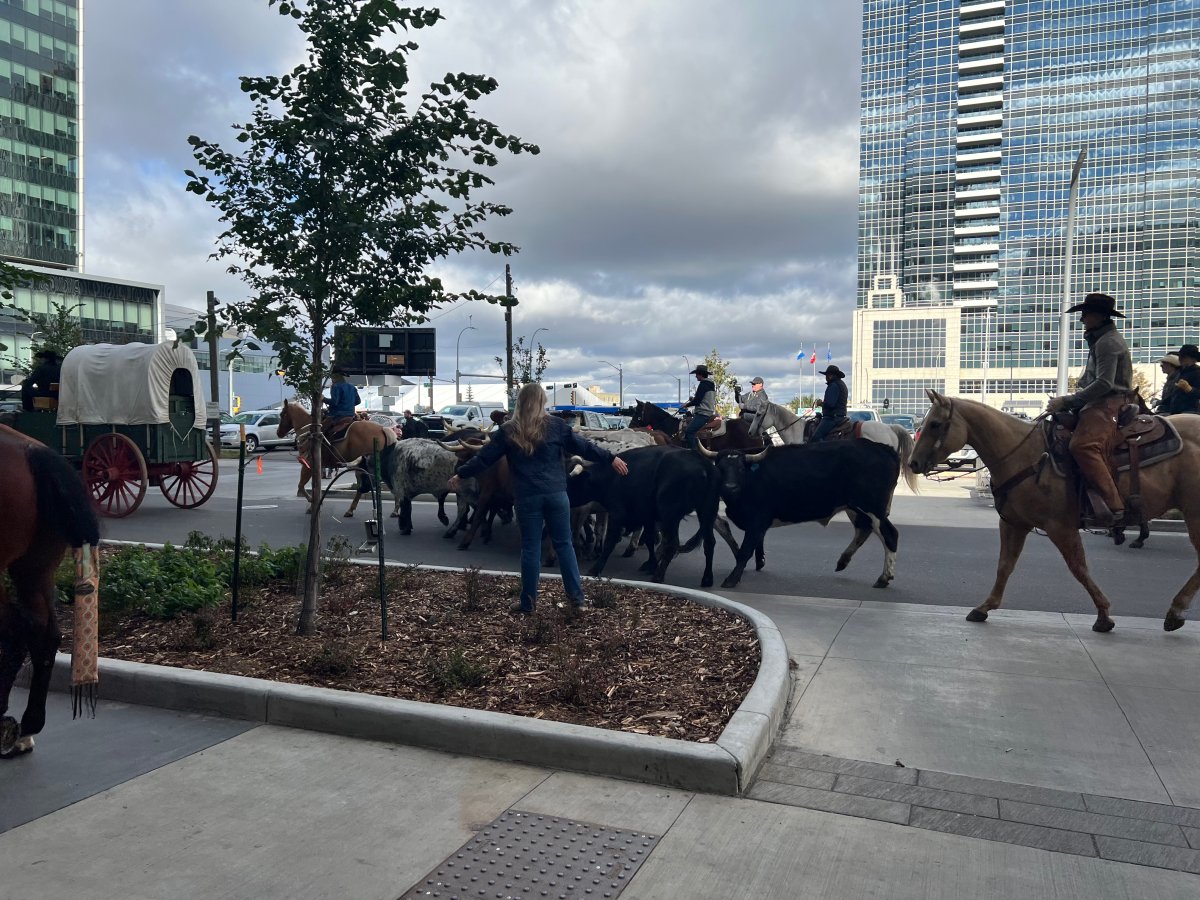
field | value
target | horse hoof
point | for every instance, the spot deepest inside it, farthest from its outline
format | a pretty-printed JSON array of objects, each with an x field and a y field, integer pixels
[
  {"x": 706, "y": 581},
  {"x": 443, "y": 520},
  {"x": 1173, "y": 622},
  {"x": 1103, "y": 624},
  {"x": 976, "y": 615},
  {"x": 10, "y": 733},
  {"x": 881, "y": 582},
  {"x": 729, "y": 583},
  {"x": 841, "y": 564},
  {"x": 348, "y": 515},
  {"x": 1137, "y": 545}
]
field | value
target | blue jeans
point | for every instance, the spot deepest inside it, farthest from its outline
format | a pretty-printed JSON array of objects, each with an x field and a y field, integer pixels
[
  {"x": 826, "y": 425},
  {"x": 554, "y": 511},
  {"x": 694, "y": 425}
]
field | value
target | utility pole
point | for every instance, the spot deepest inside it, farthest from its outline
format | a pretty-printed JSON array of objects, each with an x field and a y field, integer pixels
[
  {"x": 214, "y": 384},
  {"x": 508, "y": 305}
]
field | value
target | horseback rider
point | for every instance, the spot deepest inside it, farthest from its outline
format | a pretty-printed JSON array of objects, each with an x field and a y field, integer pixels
[
  {"x": 1170, "y": 367},
  {"x": 833, "y": 406},
  {"x": 343, "y": 397},
  {"x": 1104, "y": 387},
  {"x": 753, "y": 402},
  {"x": 705, "y": 403},
  {"x": 39, "y": 382},
  {"x": 1186, "y": 396}
]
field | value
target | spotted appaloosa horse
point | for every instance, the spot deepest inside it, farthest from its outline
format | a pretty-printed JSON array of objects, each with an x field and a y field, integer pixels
[
  {"x": 1030, "y": 495},
  {"x": 46, "y": 510}
]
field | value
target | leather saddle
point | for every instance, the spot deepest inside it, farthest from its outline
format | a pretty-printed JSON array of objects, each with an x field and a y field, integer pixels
[
  {"x": 338, "y": 430},
  {"x": 851, "y": 428},
  {"x": 715, "y": 428}
]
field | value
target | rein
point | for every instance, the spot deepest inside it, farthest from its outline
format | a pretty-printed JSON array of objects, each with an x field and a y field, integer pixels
[{"x": 1033, "y": 470}]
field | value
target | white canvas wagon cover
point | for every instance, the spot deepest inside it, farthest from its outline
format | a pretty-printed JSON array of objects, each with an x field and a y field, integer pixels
[{"x": 124, "y": 384}]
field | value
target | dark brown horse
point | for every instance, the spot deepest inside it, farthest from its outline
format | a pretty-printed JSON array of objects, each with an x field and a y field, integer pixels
[
  {"x": 46, "y": 510},
  {"x": 736, "y": 436}
]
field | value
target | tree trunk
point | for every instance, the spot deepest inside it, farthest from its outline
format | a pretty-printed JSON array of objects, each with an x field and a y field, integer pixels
[{"x": 312, "y": 568}]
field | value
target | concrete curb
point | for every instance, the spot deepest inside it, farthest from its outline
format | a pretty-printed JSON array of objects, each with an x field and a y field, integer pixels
[{"x": 724, "y": 767}]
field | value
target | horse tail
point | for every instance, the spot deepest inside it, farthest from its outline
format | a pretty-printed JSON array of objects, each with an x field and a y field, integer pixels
[
  {"x": 906, "y": 447},
  {"x": 63, "y": 503}
]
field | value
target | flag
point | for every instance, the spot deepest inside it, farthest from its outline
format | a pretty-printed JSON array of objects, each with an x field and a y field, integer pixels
[
  {"x": 814, "y": 357},
  {"x": 828, "y": 354},
  {"x": 800, "y": 353}
]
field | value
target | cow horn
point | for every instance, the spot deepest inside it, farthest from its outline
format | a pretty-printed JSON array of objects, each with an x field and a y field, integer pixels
[
  {"x": 576, "y": 463},
  {"x": 758, "y": 457},
  {"x": 450, "y": 428},
  {"x": 453, "y": 445},
  {"x": 704, "y": 451}
]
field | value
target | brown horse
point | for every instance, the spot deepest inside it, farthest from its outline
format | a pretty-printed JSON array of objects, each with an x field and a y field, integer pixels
[
  {"x": 46, "y": 510},
  {"x": 1031, "y": 495},
  {"x": 360, "y": 440},
  {"x": 736, "y": 437}
]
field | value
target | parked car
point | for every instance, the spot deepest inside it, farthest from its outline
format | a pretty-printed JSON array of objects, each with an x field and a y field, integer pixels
[
  {"x": 909, "y": 423},
  {"x": 488, "y": 408},
  {"x": 862, "y": 414},
  {"x": 396, "y": 423},
  {"x": 460, "y": 415},
  {"x": 966, "y": 457},
  {"x": 261, "y": 425}
]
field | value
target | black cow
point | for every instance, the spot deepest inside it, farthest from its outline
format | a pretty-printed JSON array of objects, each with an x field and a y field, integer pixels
[
  {"x": 664, "y": 484},
  {"x": 811, "y": 483}
]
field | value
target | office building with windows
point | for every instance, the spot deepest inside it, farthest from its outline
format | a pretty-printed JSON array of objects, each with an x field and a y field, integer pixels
[{"x": 974, "y": 113}]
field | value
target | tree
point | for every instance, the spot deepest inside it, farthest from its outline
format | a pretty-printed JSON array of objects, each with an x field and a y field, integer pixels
[
  {"x": 470, "y": 394},
  {"x": 718, "y": 372},
  {"x": 528, "y": 365},
  {"x": 806, "y": 401},
  {"x": 346, "y": 186}
]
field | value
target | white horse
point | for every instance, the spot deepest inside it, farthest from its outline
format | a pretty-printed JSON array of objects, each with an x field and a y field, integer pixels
[{"x": 790, "y": 429}]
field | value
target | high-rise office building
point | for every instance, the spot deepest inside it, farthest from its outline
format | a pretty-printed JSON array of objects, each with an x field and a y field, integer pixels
[{"x": 974, "y": 113}]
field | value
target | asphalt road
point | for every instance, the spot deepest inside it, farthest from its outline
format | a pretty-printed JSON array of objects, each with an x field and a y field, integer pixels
[{"x": 947, "y": 556}]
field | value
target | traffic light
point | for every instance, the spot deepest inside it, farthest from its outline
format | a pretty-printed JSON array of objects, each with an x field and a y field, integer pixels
[
  {"x": 887, "y": 404},
  {"x": 572, "y": 398},
  {"x": 237, "y": 404}
]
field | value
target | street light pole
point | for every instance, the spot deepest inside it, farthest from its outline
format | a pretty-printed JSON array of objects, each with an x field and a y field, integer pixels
[
  {"x": 620, "y": 382},
  {"x": 457, "y": 373},
  {"x": 1064, "y": 322}
]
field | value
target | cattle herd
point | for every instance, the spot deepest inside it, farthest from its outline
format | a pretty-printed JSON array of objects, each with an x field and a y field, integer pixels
[{"x": 755, "y": 491}]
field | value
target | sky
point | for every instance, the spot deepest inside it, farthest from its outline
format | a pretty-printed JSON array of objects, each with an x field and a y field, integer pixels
[{"x": 696, "y": 187}]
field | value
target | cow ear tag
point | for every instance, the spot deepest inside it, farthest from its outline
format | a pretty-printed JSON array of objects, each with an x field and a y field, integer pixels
[{"x": 754, "y": 467}]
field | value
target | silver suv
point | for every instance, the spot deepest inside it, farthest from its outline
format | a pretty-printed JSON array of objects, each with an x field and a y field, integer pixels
[{"x": 261, "y": 427}]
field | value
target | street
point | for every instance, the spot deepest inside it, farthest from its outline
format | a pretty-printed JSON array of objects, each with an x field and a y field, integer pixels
[{"x": 947, "y": 556}]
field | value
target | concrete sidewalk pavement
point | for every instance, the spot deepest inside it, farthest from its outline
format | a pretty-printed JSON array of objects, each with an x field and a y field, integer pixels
[{"x": 1038, "y": 759}]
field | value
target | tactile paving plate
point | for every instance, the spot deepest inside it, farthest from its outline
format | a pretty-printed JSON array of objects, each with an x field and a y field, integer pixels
[{"x": 526, "y": 856}]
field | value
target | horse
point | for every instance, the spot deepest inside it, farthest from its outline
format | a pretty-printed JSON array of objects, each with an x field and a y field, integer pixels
[
  {"x": 1029, "y": 494},
  {"x": 736, "y": 436},
  {"x": 360, "y": 440},
  {"x": 792, "y": 429},
  {"x": 47, "y": 509}
]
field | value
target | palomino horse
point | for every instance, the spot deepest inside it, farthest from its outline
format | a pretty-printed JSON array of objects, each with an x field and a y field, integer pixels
[
  {"x": 736, "y": 436},
  {"x": 1030, "y": 495},
  {"x": 46, "y": 510},
  {"x": 360, "y": 440},
  {"x": 790, "y": 429}
]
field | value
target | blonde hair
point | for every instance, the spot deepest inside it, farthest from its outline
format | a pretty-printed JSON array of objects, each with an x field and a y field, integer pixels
[{"x": 527, "y": 428}]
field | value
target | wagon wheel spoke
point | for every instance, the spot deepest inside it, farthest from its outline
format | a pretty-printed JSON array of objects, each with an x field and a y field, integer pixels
[
  {"x": 192, "y": 482},
  {"x": 116, "y": 475}
]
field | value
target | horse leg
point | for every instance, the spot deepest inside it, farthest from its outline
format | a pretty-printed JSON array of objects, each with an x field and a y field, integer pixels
[
  {"x": 35, "y": 591},
  {"x": 14, "y": 631},
  {"x": 1012, "y": 542},
  {"x": 1174, "y": 619},
  {"x": 1143, "y": 533},
  {"x": 1070, "y": 545}
]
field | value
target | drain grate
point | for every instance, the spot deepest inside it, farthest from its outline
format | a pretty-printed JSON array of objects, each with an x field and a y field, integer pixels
[{"x": 525, "y": 856}]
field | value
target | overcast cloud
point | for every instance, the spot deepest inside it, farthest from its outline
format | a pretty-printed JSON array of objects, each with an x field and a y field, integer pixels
[{"x": 697, "y": 185}]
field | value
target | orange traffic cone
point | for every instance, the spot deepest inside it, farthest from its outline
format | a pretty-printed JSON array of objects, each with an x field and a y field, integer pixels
[{"x": 260, "y": 465}]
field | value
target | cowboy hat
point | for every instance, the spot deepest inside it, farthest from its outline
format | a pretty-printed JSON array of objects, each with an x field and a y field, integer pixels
[
  {"x": 1171, "y": 359},
  {"x": 47, "y": 353},
  {"x": 1098, "y": 303},
  {"x": 702, "y": 371},
  {"x": 834, "y": 371},
  {"x": 1189, "y": 350}
]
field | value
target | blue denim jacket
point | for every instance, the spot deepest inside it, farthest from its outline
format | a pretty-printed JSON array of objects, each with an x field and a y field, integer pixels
[{"x": 541, "y": 472}]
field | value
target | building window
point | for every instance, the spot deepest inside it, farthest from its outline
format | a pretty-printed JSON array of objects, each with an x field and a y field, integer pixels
[{"x": 909, "y": 344}]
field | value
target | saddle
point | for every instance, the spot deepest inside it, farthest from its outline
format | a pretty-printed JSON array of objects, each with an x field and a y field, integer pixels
[
  {"x": 851, "y": 428},
  {"x": 1142, "y": 440},
  {"x": 716, "y": 427},
  {"x": 338, "y": 430}
]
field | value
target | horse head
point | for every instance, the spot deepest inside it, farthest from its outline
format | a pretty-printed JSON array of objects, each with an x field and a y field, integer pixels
[{"x": 942, "y": 433}]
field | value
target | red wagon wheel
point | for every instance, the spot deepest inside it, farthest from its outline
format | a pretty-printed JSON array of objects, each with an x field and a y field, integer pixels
[
  {"x": 191, "y": 483},
  {"x": 115, "y": 472}
]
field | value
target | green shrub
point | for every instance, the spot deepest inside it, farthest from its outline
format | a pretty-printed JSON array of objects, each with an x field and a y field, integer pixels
[
  {"x": 161, "y": 583},
  {"x": 455, "y": 670}
]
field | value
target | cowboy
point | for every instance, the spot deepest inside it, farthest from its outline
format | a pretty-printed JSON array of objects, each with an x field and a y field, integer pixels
[
  {"x": 833, "y": 406},
  {"x": 1186, "y": 396},
  {"x": 42, "y": 380},
  {"x": 1170, "y": 367},
  {"x": 413, "y": 427},
  {"x": 754, "y": 402},
  {"x": 705, "y": 403},
  {"x": 343, "y": 397},
  {"x": 1104, "y": 388}
]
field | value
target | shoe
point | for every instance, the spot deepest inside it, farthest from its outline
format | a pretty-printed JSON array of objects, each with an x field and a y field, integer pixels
[{"x": 518, "y": 610}]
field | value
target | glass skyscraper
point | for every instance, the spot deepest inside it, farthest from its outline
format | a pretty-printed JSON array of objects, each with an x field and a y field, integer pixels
[{"x": 973, "y": 114}]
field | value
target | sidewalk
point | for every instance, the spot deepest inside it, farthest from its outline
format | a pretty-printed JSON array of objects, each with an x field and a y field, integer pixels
[{"x": 1074, "y": 757}]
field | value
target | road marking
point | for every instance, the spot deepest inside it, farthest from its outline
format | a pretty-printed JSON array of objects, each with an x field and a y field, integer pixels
[{"x": 266, "y": 506}]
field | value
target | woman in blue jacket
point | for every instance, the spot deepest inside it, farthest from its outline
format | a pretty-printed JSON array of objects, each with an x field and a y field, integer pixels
[{"x": 536, "y": 446}]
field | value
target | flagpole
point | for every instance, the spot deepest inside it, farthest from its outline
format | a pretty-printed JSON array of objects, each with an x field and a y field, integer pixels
[{"x": 814, "y": 364}]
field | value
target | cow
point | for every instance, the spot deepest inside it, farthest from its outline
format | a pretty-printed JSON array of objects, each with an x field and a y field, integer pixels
[
  {"x": 810, "y": 483},
  {"x": 664, "y": 484},
  {"x": 411, "y": 467},
  {"x": 589, "y": 522},
  {"x": 490, "y": 493}
]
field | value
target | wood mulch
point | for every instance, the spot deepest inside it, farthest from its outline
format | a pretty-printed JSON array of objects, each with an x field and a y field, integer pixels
[{"x": 641, "y": 662}]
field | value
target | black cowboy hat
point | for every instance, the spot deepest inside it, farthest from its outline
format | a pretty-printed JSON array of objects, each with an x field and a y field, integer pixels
[
  {"x": 1190, "y": 350},
  {"x": 702, "y": 371},
  {"x": 834, "y": 371},
  {"x": 1100, "y": 303},
  {"x": 47, "y": 353}
]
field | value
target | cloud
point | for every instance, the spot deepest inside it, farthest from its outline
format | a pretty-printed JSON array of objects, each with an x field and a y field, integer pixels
[{"x": 697, "y": 185}]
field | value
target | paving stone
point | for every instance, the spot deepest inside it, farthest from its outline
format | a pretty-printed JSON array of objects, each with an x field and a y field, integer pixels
[
  {"x": 809, "y": 778},
  {"x": 1143, "y": 854},
  {"x": 1024, "y": 793},
  {"x": 1140, "y": 809},
  {"x": 1005, "y": 832},
  {"x": 1093, "y": 823},
  {"x": 839, "y": 765},
  {"x": 1193, "y": 837},
  {"x": 918, "y": 796},
  {"x": 830, "y": 801}
]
